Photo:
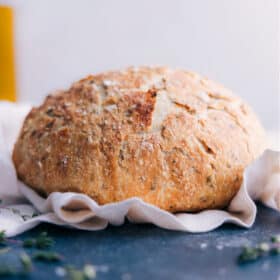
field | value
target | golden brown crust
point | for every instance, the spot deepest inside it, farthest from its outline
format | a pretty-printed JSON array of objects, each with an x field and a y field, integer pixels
[{"x": 170, "y": 137}]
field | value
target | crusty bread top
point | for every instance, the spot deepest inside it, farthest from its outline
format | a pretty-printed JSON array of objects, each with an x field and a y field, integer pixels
[{"x": 171, "y": 137}]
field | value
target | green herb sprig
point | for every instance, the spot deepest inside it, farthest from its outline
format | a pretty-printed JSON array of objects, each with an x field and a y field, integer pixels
[
  {"x": 263, "y": 249},
  {"x": 25, "y": 269},
  {"x": 2, "y": 237},
  {"x": 42, "y": 241},
  {"x": 71, "y": 272},
  {"x": 26, "y": 262},
  {"x": 47, "y": 256}
]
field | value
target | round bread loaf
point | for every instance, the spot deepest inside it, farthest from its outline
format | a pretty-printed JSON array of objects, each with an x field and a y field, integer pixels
[{"x": 171, "y": 137}]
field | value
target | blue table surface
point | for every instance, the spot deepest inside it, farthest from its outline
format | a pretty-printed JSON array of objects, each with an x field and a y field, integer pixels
[{"x": 147, "y": 252}]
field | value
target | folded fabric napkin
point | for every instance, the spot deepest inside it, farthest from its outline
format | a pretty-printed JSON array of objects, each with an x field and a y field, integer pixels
[{"x": 22, "y": 209}]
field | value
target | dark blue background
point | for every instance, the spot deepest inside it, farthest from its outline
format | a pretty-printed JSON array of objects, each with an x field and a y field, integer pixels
[{"x": 147, "y": 252}]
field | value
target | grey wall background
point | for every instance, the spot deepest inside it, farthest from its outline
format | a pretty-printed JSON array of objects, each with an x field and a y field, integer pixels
[{"x": 232, "y": 41}]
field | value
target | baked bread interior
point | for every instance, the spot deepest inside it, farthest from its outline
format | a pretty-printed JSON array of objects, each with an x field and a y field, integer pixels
[{"x": 171, "y": 137}]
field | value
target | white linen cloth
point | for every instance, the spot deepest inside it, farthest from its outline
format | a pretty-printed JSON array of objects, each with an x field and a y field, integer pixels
[{"x": 22, "y": 209}]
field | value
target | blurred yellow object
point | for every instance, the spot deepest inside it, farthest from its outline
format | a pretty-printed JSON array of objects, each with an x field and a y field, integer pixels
[{"x": 7, "y": 70}]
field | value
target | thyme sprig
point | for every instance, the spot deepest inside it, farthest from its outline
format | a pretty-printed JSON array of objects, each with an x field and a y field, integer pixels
[
  {"x": 2, "y": 237},
  {"x": 11, "y": 270},
  {"x": 47, "y": 256},
  {"x": 42, "y": 241},
  {"x": 72, "y": 273},
  {"x": 26, "y": 262},
  {"x": 263, "y": 249}
]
